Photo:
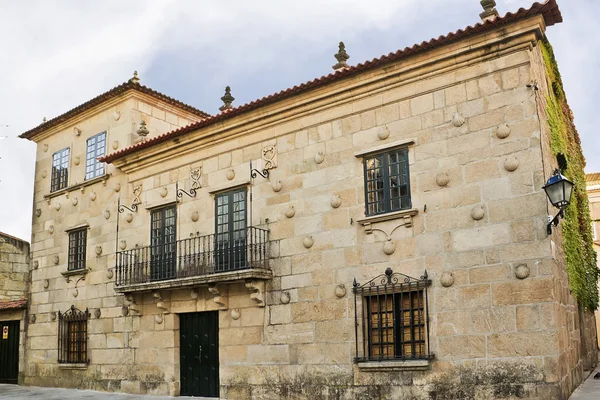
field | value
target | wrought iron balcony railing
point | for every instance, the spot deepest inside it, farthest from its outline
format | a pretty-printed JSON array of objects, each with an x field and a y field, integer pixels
[{"x": 194, "y": 257}]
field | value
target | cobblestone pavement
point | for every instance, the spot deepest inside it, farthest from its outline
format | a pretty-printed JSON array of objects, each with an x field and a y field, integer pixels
[
  {"x": 589, "y": 389},
  {"x": 23, "y": 392}
]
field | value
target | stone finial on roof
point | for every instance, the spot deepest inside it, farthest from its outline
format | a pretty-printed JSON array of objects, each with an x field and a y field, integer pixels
[
  {"x": 489, "y": 10},
  {"x": 227, "y": 100},
  {"x": 341, "y": 56},
  {"x": 44, "y": 120},
  {"x": 135, "y": 78},
  {"x": 143, "y": 130}
]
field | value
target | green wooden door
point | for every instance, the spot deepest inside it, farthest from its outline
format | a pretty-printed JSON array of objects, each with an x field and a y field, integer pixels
[
  {"x": 9, "y": 351},
  {"x": 199, "y": 354}
]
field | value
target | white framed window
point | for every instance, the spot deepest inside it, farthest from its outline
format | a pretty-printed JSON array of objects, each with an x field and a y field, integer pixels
[{"x": 95, "y": 147}]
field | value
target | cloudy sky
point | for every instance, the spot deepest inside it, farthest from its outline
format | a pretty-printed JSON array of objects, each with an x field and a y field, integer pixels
[{"x": 58, "y": 54}]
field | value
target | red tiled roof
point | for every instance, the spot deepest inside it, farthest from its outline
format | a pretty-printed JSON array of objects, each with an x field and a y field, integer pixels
[
  {"x": 13, "y": 304},
  {"x": 114, "y": 92},
  {"x": 549, "y": 10},
  {"x": 593, "y": 178}
]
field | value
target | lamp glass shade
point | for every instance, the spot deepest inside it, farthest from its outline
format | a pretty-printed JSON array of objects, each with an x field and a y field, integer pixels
[{"x": 559, "y": 190}]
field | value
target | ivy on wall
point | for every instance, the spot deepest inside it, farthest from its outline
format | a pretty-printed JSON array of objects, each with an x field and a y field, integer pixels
[{"x": 577, "y": 231}]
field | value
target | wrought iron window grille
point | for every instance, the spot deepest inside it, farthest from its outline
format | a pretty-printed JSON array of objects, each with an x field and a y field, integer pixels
[
  {"x": 72, "y": 336},
  {"x": 392, "y": 318}
]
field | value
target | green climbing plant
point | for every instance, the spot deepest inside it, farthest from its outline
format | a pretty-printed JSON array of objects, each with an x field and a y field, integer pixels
[{"x": 577, "y": 226}]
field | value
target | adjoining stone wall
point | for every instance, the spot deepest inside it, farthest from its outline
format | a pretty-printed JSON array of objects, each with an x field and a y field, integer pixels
[
  {"x": 476, "y": 158},
  {"x": 14, "y": 268}
]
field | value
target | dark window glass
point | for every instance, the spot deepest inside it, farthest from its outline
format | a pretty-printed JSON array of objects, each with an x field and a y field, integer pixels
[
  {"x": 77, "y": 244},
  {"x": 60, "y": 170},
  {"x": 387, "y": 182},
  {"x": 163, "y": 236},
  {"x": 96, "y": 147},
  {"x": 72, "y": 336},
  {"x": 230, "y": 245}
]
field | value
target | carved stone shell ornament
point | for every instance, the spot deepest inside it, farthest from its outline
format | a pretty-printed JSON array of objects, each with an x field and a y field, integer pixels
[
  {"x": 123, "y": 245},
  {"x": 57, "y": 206},
  {"x": 115, "y": 144},
  {"x": 290, "y": 212},
  {"x": 442, "y": 179},
  {"x": 45, "y": 148},
  {"x": 129, "y": 217},
  {"x": 383, "y": 133},
  {"x": 447, "y": 279},
  {"x": 335, "y": 201},
  {"x": 340, "y": 290},
  {"x": 36, "y": 264},
  {"x": 389, "y": 247},
  {"x": 38, "y": 212},
  {"x": 32, "y": 318},
  {"x": 458, "y": 120},
  {"x": 308, "y": 242},
  {"x": 276, "y": 186},
  {"x": 503, "y": 131},
  {"x": 116, "y": 115},
  {"x": 51, "y": 229},
  {"x": 522, "y": 271},
  {"x": 158, "y": 319},
  {"x": 76, "y": 131},
  {"x": 46, "y": 283},
  {"x": 124, "y": 311},
  {"x": 97, "y": 313},
  {"x": 75, "y": 292},
  {"x": 74, "y": 201},
  {"x": 106, "y": 214},
  {"x": 284, "y": 298},
  {"x": 195, "y": 216},
  {"x": 477, "y": 213},
  {"x": 164, "y": 192},
  {"x": 55, "y": 259},
  {"x": 235, "y": 314},
  {"x": 511, "y": 164},
  {"x": 118, "y": 187},
  {"x": 109, "y": 273},
  {"x": 93, "y": 196},
  {"x": 44, "y": 173},
  {"x": 230, "y": 174},
  {"x": 53, "y": 315},
  {"x": 319, "y": 157},
  {"x": 76, "y": 160},
  {"x": 98, "y": 250}
]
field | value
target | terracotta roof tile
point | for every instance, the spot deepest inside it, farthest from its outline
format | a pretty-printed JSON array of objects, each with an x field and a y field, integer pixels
[
  {"x": 549, "y": 10},
  {"x": 593, "y": 179},
  {"x": 114, "y": 92},
  {"x": 13, "y": 304}
]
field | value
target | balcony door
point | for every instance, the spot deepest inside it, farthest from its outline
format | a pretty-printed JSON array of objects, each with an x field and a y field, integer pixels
[
  {"x": 230, "y": 243},
  {"x": 163, "y": 236}
]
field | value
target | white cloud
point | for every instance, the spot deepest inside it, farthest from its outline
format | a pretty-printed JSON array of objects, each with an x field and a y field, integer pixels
[{"x": 57, "y": 54}]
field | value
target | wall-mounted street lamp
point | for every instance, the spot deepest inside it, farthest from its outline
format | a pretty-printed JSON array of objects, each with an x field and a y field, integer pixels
[{"x": 559, "y": 190}]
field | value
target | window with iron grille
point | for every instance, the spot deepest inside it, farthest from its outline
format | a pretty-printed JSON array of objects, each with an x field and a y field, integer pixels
[
  {"x": 392, "y": 321},
  {"x": 77, "y": 244},
  {"x": 60, "y": 170},
  {"x": 387, "y": 182},
  {"x": 96, "y": 147},
  {"x": 72, "y": 336}
]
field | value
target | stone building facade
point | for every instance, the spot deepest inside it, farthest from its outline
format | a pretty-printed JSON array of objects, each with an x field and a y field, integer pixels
[
  {"x": 376, "y": 233},
  {"x": 593, "y": 190},
  {"x": 14, "y": 285}
]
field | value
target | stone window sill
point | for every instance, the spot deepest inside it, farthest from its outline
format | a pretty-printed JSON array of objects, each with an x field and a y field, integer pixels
[
  {"x": 403, "y": 214},
  {"x": 69, "y": 274},
  {"x": 76, "y": 186},
  {"x": 406, "y": 365},
  {"x": 73, "y": 366}
]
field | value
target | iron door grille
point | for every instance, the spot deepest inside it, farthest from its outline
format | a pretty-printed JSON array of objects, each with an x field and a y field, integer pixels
[
  {"x": 72, "y": 336},
  {"x": 77, "y": 246},
  {"x": 392, "y": 321}
]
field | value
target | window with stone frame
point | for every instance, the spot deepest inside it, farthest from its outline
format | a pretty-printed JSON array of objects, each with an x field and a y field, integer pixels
[
  {"x": 60, "y": 170},
  {"x": 72, "y": 336},
  {"x": 387, "y": 182},
  {"x": 95, "y": 147},
  {"x": 77, "y": 249},
  {"x": 392, "y": 321}
]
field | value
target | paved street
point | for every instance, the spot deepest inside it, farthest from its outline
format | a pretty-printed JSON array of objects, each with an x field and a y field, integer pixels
[
  {"x": 589, "y": 390},
  {"x": 21, "y": 392}
]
